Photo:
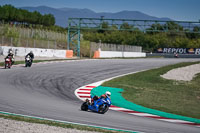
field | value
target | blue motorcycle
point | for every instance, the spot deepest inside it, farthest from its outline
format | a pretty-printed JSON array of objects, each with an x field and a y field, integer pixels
[{"x": 100, "y": 105}]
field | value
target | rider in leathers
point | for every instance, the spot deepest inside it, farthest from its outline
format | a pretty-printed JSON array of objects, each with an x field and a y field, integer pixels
[
  {"x": 107, "y": 94},
  {"x": 31, "y": 55},
  {"x": 11, "y": 56}
]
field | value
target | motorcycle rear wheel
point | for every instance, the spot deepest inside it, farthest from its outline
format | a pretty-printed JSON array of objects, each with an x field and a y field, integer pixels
[{"x": 84, "y": 106}]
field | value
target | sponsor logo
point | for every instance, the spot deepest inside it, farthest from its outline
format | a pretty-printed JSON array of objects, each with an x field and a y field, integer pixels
[
  {"x": 160, "y": 50},
  {"x": 197, "y": 51},
  {"x": 179, "y": 50},
  {"x": 191, "y": 51},
  {"x": 175, "y": 50}
]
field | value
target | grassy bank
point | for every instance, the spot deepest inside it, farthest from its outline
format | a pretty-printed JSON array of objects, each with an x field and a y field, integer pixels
[{"x": 150, "y": 90}]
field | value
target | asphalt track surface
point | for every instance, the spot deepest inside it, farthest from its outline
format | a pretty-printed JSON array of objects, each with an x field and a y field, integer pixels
[{"x": 47, "y": 90}]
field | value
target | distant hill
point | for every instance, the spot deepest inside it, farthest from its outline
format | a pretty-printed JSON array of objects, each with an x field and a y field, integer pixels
[{"x": 62, "y": 14}]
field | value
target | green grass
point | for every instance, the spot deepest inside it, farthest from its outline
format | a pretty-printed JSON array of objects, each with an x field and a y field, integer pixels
[
  {"x": 150, "y": 90},
  {"x": 57, "y": 124}
]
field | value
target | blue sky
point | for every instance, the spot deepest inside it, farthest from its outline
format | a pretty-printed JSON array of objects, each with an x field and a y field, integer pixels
[{"x": 187, "y": 10}]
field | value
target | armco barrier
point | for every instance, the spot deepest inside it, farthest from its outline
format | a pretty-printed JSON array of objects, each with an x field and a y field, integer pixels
[
  {"x": 113, "y": 54},
  {"x": 20, "y": 51}
]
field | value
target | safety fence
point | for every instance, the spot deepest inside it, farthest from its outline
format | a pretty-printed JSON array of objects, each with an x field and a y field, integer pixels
[
  {"x": 33, "y": 43},
  {"x": 31, "y": 33}
]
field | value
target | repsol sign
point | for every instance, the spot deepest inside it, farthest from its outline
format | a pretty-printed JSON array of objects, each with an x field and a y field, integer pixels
[{"x": 179, "y": 50}]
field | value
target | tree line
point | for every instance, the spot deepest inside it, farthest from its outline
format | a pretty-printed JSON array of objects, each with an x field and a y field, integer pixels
[
  {"x": 23, "y": 18},
  {"x": 155, "y": 36},
  {"x": 10, "y": 14}
]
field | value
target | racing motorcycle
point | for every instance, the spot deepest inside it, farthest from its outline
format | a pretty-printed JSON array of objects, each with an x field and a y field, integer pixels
[
  {"x": 28, "y": 61},
  {"x": 8, "y": 62},
  {"x": 100, "y": 105}
]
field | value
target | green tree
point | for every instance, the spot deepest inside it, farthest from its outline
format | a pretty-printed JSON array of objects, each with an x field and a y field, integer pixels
[
  {"x": 155, "y": 28},
  {"x": 105, "y": 25},
  {"x": 1, "y": 14},
  {"x": 195, "y": 34},
  {"x": 114, "y": 27},
  {"x": 126, "y": 26},
  {"x": 9, "y": 12},
  {"x": 172, "y": 26},
  {"x": 5, "y": 13},
  {"x": 48, "y": 20},
  {"x": 19, "y": 17},
  {"x": 196, "y": 29}
]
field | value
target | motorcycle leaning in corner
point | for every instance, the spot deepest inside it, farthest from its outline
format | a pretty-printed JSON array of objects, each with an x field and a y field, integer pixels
[{"x": 100, "y": 105}]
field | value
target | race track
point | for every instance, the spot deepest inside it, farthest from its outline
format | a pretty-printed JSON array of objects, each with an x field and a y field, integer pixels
[{"x": 47, "y": 90}]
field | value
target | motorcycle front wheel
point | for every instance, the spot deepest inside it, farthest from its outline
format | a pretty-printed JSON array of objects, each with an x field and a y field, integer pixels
[{"x": 103, "y": 109}]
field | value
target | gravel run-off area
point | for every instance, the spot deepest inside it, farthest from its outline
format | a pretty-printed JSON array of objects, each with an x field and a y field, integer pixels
[
  {"x": 183, "y": 73},
  {"x": 12, "y": 126}
]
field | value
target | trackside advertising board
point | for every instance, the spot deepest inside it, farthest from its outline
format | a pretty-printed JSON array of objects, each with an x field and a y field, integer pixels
[{"x": 195, "y": 51}]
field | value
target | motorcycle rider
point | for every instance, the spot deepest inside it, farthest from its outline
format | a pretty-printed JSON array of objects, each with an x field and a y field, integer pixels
[
  {"x": 107, "y": 94},
  {"x": 31, "y": 55},
  {"x": 11, "y": 56},
  {"x": 176, "y": 55}
]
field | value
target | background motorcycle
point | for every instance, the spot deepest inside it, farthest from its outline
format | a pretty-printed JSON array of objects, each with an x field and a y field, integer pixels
[
  {"x": 28, "y": 61},
  {"x": 100, "y": 105},
  {"x": 8, "y": 62}
]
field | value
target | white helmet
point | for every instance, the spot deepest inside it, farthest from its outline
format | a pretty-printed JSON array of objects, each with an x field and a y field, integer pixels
[{"x": 108, "y": 93}]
